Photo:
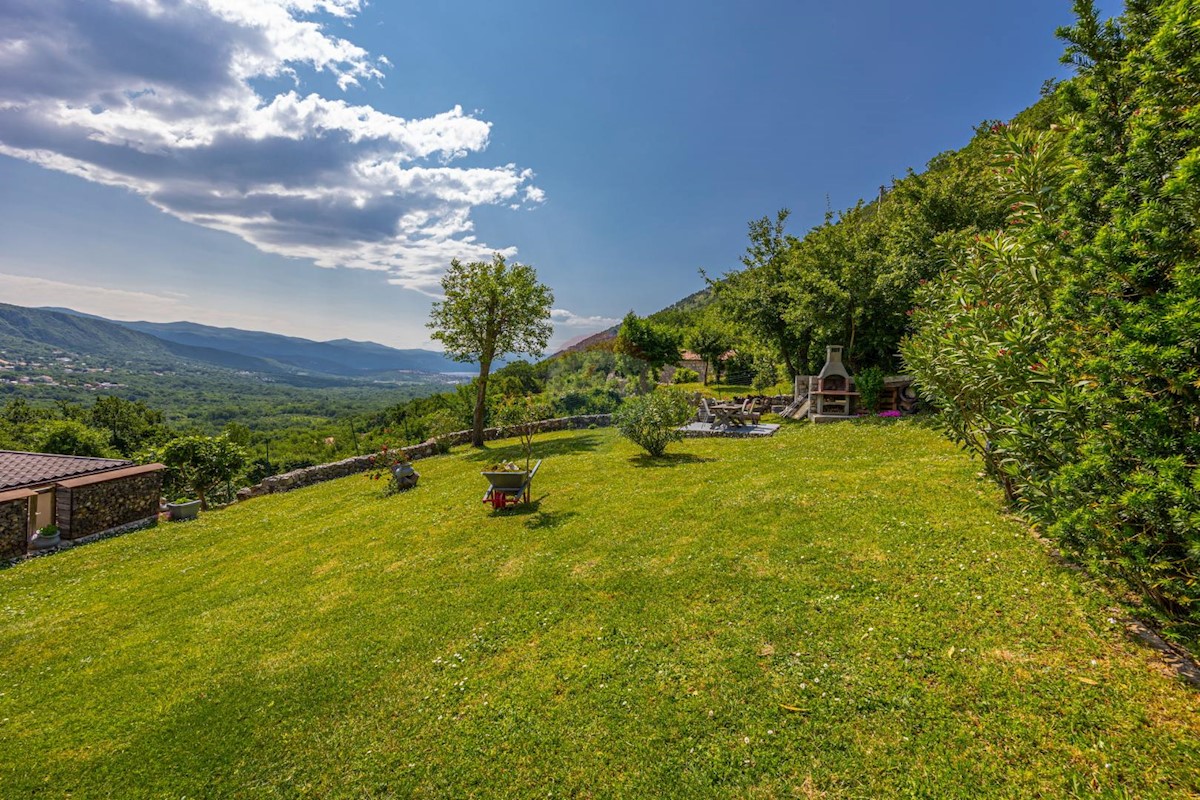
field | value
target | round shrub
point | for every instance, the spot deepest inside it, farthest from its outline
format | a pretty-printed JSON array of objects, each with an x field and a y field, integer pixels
[
  {"x": 685, "y": 375},
  {"x": 652, "y": 421}
]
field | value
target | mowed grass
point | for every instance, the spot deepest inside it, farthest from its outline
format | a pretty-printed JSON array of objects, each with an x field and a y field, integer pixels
[{"x": 837, "y": 611}]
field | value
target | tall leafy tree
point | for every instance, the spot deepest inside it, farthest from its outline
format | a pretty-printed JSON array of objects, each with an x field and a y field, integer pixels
[
  {"x": 651, "y": 346},
  {"x": 758, "y": 297},
  {"x": 490, "y": 309},
  {"x": 200, "y": 464},
  {"x": 73, "y": 438},
  {"x": 131, "y": 425},
  {"x": 710, "y": 343}
]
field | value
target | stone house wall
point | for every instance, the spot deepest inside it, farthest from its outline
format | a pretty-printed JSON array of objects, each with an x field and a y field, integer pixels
[
  {"x": 97, "y": 503},
  {"x": 351, "y": 466},
  {"x": 14, "y": 523}
]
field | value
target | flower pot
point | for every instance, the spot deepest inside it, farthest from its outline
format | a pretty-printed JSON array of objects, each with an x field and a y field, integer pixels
[
  {"x": 42, "y": 542},
  {"x": 182, "y": 511},
  {"x": 405, "y": 476}
]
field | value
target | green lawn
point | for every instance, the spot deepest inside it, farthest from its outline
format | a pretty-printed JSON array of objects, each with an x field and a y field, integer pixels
[{"x": 837, "y": 611}]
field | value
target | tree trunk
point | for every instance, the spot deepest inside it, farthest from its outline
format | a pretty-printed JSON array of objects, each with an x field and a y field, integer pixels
[
  {"x": 480, "y": 404},
  {"x": 850, "y": 350},
  {"x": 787, "y": 360}
]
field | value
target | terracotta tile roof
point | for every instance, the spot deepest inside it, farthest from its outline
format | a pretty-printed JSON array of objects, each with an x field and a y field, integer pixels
[{"x": 18, "y": 469}]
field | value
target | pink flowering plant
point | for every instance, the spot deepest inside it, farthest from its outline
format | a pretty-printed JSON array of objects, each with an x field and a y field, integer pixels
[{"x": 386, "y": 460}]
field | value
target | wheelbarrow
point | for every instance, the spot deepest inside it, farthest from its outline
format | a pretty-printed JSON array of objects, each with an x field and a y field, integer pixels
[{"x": 509, "y": 488}]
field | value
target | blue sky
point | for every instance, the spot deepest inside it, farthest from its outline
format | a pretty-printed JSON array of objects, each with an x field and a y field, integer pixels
[{"x": 309, "y": 166}]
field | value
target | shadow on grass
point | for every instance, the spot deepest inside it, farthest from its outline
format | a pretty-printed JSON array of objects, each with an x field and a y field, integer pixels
[
  {"x": 668, "y": 460},
  {"x": 530, "y": 509},
  {"x": 544, "y": 520},
  {"x": 587, "y": 443},
  {"x": 535, "y": 518}
]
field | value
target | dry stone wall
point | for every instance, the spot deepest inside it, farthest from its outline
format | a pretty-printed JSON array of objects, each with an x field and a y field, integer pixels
[
  {"x": 87, "y": 507},
  {"x": 14, "y": 526},
  {"x": 352, "y": 466}
]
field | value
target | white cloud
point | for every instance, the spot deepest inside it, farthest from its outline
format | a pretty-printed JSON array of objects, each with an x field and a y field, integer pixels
[
  {"x": 157, "y": 96},
  {"x": 26, "y": 290},
  {"x": 563, "y": 318},
  {"x": 570, "y": 327},
  {"x": 123, "y": 304}
]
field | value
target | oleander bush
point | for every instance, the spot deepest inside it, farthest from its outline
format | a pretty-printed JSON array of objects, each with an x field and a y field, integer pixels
[{"x": 651, "y": 421}]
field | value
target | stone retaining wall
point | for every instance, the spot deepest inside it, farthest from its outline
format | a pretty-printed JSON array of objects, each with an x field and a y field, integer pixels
[
  {"x": 96, "y": 503},
  {"x": 351, "y": 466}
]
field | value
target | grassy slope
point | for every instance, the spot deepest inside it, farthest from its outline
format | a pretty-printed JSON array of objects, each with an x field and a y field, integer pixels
[{"x": 637, "y": 634}]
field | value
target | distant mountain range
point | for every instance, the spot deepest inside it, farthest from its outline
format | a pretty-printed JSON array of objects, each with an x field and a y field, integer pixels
[
  {"x": 253, "y": 351},
  {"x": 587, "y": 341}
]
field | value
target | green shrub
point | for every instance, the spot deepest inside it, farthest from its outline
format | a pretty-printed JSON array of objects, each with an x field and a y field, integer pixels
[
  {"x": 685, "y": 375},
  {"x": 593, "y": 401},
  {"x": 766, "y": 373},
  {"x": 869, "y": 383},
  {"x": 1130, "y": 502},
  {"x": 652, "y": 421},
  {"x": 1063, "y": 350},
  {"x": 983, "y": 350}
]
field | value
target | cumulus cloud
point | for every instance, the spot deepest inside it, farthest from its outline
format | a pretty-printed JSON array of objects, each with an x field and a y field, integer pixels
[{"x": 159, "y": 97}]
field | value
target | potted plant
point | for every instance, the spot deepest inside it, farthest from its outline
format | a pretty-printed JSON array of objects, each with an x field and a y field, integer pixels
[
  {"x": 395, "y": 461},
  {"x": 45, "y": 538},
  {"x": 183, "y": 508}
]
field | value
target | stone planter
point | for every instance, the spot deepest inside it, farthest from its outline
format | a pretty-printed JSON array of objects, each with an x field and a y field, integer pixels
[
  {"x": 42, "y": 542},
  {"x": 405, "y": 476},
  {"x": 182, "y": 511}
]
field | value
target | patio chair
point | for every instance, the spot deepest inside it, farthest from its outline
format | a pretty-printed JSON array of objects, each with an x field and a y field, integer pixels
[
  {"x": 749, "y": 414},
  {"x": 705, "y": 414}
]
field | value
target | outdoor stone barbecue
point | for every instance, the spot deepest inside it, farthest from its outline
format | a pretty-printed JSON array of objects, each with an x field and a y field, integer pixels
[{"x": 832, "y": 396}]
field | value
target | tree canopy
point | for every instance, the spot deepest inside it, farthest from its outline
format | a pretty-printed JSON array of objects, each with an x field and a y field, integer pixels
[{"x": 490, "y": 309}]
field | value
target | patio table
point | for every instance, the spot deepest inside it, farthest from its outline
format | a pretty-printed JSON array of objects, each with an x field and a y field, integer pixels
[{"x": 727, "y": 413}]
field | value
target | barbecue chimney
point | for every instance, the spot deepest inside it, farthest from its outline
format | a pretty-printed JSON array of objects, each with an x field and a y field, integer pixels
[{"x": 833, "y": 376}]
